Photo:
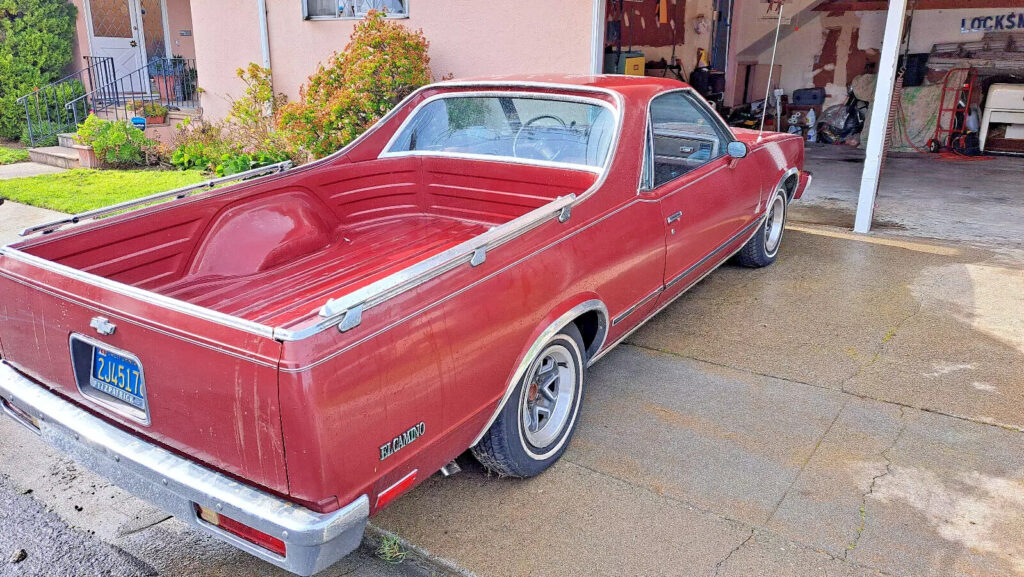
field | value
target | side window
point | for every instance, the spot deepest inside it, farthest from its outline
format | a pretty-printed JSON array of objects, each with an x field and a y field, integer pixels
[{"x": 685, "y": 136}]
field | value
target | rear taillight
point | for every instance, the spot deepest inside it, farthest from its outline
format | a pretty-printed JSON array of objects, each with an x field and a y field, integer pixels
[{"x": 229, "y": 525}]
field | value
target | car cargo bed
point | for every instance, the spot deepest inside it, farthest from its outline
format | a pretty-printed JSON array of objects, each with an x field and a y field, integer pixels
[{"x": 355, "y": 256}]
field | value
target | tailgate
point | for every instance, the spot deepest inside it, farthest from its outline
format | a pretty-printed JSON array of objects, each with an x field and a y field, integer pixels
[{"x": 208, "y": 386}]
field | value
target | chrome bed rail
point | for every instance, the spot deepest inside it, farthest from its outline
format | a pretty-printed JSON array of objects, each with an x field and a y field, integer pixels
[
  {"x": 48, "y": 227},
  {"x": 346, "y": 311}
]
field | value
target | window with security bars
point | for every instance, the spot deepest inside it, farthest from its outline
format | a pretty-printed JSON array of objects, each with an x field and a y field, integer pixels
[{"x": 319, "y": 9}]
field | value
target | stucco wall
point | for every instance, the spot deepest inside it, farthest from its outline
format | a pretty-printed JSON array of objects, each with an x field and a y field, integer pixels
[
  {"x": 80, "y": 44},
  {"x": 179, "y": 17},
  {"x": 467, "y": 38}
]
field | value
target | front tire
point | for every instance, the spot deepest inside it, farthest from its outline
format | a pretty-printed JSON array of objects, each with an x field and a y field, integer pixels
[
  {"x": 762, "y": 249},
  {"x": 538, "y": 420}
]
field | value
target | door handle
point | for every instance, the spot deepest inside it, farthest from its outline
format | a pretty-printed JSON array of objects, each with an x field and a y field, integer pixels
[
  {"x": 686, "y": 149},
  {"x": 675, "y": 216}
]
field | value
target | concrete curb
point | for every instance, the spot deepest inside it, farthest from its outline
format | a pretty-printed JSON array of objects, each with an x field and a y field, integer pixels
[{"x": 418, "y": 556}]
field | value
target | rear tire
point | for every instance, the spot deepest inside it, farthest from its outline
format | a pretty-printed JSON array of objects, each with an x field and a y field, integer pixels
[
  {"x": 762, "y": 249},
  {"x": 538, "y": 420}
]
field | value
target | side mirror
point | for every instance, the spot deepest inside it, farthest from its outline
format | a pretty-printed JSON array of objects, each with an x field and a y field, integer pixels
[{"x": 736, "y": 149}]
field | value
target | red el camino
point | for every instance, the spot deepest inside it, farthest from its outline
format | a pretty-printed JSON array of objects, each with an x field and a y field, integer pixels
[{"x": 276, "y": 360}]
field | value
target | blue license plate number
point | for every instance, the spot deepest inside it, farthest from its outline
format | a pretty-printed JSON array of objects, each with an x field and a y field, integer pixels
[{"x": 118, "y": 376}]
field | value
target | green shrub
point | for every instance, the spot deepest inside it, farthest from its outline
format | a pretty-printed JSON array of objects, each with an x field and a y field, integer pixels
[
  {"x": 116, "y": 143},
  {"x": 35, "y": 47},
  {"x": 148, "y": 109},
  {"x": 246, "y": 139},
  {"x": 382, "y": 64},
  {"x": 233, "y": 163},
  {"x": 198, "y": 145}
]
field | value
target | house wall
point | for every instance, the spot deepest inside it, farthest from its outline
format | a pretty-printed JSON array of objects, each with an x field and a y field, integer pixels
[
  {"x": 80, "y": 44},
  {"x": 179, "y": 18},
  {"x": 467, "y": 38}
]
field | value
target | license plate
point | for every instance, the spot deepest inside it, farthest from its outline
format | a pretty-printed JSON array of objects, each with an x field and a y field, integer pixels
[
  {"x": 117, "y": 376},
  {"x": 110, "y": 377}
]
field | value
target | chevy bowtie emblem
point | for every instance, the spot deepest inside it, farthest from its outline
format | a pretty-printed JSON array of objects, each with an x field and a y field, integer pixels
[{"x": 103, "y": 326}]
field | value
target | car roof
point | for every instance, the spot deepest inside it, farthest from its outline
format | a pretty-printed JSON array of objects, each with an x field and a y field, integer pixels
[{"x": 630, "y": 86}]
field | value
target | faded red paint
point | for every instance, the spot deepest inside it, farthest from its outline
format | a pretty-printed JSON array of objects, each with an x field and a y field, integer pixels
[{"x": 307, "y": 418}]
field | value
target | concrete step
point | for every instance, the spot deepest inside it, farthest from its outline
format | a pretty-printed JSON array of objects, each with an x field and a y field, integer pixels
[
  {"x": 66, "y": 139},
  {"x": 59, "y": 156}
]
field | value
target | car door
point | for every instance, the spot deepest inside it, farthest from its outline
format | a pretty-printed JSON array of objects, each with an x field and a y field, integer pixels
[{"x": 704, "y": 199}]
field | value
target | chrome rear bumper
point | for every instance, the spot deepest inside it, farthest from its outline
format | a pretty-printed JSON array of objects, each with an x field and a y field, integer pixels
[{"x": 314, "y": 541}]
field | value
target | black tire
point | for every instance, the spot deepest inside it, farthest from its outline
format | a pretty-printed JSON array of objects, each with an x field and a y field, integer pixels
[
  {"x": 763, "y": 248},
  {"x": 506, "y": 448}
]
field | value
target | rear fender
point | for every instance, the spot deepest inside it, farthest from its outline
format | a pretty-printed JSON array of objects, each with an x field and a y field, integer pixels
[{"x": 555, "y": 321}]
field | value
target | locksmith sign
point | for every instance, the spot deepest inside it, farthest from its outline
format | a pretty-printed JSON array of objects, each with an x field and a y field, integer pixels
[{"x": 1008, "y": 21}]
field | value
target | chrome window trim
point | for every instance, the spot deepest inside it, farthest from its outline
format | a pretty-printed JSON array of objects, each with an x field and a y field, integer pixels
[
  {"x": 389, "y": 153},
  {"x": 697, "y": 99},
  {"x": 701, "y": 103}
]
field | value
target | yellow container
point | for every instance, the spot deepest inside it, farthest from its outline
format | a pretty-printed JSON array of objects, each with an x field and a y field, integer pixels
[{"x": 634, "y": 66}]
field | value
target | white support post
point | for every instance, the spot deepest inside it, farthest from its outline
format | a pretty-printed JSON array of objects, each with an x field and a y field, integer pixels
[
  {"x": 880, "y": 109},
  {"x": 597, "y": 38}
]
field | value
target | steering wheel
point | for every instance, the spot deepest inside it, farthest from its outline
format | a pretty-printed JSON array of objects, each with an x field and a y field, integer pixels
[{"x": 543, "y": 147}]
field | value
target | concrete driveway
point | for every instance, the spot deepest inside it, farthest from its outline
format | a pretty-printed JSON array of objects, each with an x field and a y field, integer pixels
[{"x": 855, "y": 409}]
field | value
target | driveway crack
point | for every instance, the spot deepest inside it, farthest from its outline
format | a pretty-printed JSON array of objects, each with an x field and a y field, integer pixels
[
  {"x": 881, "y": 346},
  {"x": 718, "y": 566},
  {"x": 803, "y": 465},
  {"x": 871, "y": 488}
]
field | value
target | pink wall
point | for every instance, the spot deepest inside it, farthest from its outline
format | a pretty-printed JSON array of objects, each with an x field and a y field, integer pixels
[
  {"x": 80, "y": 45},
  {"x": 179, "y": 17},
  {"x": 467, "y": 38}
]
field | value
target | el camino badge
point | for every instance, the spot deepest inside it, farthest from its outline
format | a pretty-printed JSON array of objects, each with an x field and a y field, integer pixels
[{"x": 388, "y": 449}]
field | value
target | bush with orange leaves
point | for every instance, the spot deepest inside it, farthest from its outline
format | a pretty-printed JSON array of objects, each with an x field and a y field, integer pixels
[{"x": 382, "y": 64}]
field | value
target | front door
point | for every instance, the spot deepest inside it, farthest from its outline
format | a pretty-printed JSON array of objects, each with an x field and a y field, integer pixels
[
  {"x": 114, "y": 32},
  {"x": 705, "y": 202}
]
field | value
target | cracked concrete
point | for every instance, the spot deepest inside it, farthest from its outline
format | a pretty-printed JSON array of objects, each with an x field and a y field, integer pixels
[{"x": 871, "y": 488}]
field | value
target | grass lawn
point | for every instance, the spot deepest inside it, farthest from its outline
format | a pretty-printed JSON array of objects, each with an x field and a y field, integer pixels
[
  {"x": 80, "y": 189},
  {"x": 12, "y": 155}
]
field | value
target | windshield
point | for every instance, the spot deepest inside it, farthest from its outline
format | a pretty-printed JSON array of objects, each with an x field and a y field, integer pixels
[{"x": 531, "y": 129}]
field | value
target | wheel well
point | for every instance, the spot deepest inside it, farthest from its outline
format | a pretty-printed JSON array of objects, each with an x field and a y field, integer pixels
[
  {"x": 791, "y": 183},
  {"x": 590, "y": 325}
]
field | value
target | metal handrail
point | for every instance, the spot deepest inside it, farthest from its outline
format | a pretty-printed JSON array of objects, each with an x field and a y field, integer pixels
[
  {"x": 179, "y": 193},
  {"x": 52, "y": 103},
  {"x": 172, "y": 82}
]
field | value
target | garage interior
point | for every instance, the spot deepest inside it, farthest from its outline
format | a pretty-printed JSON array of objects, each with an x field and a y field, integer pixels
[{"x": 948, "y": 76}]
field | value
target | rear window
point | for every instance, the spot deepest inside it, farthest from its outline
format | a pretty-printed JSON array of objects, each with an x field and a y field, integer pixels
[{"x": 534, "y": 130}]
